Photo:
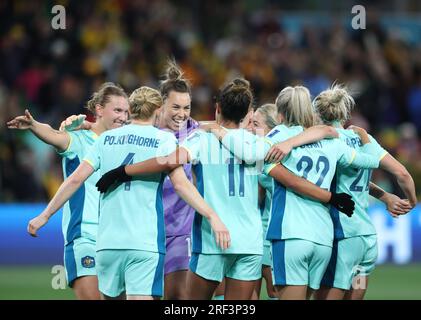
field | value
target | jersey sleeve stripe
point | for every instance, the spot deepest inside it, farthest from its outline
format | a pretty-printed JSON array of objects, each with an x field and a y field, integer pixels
[
  {"x": 270, "y": 167},
  {"x": 354, "y": 153},
  {"x": 383, "y": 155},
  {"x": 89, "y": 162}
]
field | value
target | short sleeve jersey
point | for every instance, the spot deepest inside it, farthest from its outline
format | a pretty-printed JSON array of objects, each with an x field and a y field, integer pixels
[
  {"x": 230, "y": 187},
  {"x": 131, "y": 216},
  {"x": 80, "y": 213},
  {"x": 296, "y": 216},
  {"x": 355, "y": 182}
]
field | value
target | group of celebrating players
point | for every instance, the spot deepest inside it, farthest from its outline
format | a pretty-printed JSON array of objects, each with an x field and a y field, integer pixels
[{"x": 157, "y": 204}]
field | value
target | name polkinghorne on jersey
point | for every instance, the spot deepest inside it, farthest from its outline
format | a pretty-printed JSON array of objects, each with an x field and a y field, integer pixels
[{"x": 132, "y": 139}]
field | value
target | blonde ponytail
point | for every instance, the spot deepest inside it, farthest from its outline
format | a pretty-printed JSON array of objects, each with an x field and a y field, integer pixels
[
  {"x": 294, "y": 104},
  {"x": 143, "y": 102},
  {"x": 334, "y": 104}
]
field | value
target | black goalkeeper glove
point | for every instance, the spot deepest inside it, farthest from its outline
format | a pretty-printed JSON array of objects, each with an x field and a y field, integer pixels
[
  {"x": 117, "y": 175},
  {"x": 343, "y": 202}
]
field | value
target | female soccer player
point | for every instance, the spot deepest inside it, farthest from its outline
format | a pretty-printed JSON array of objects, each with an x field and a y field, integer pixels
[
  {"x": 80, "y": 214},
  {"x": 263, "y": 121},
  {"x": 355, "y": 240},
  {"x": 300, "y": 228},
  {"x": 231, "y": 186},
  {"x": 175, "y": 118},
  {"x": 131, "y": 233}
]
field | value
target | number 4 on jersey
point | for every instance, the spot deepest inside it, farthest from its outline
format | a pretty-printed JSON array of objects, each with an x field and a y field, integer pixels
[{"x": 128, "y": 160}]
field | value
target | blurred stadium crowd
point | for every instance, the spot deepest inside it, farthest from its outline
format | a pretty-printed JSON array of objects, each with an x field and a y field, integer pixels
[{"x": 53, "y": 72}]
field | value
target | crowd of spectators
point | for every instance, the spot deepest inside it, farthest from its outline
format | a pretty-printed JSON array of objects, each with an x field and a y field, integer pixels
[{"x": 54, "y": 72}]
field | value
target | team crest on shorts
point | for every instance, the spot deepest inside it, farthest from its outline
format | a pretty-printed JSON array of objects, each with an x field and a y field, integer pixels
[{"x": 88, "y": 262}]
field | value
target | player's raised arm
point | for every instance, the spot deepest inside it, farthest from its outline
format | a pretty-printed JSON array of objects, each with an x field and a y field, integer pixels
[
  {"x": 341, "y": 201},
  {"x": 66, "y": 190},
  {"x": 59, "y": 139},
  {"x": 187, "y": 191}
]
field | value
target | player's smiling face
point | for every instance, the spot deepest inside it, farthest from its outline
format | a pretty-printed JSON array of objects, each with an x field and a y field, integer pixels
[
  {"x": 176, "y": 110},
  {"x": 115, "y": 112},
  {"x": 259, "y": 126}
]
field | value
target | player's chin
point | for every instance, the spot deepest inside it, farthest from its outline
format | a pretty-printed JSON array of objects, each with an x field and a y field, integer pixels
[
  {"x": 177, "y": 126},
  {"x": 117, "y": 125}
]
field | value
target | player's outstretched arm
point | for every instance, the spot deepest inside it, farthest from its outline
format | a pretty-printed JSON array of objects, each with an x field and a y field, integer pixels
[
  {"x": 342, "y": 201},
  {"x": 316, "y": 133},
  {"x": 59, "y": 139},
  {"x": 395, "y": 205},
  {"x": 404, "y": 179},
  {"x": 154, "y": 165},
  {"x": 187, "y": 191},
  {"x": 66, "y": 190}
]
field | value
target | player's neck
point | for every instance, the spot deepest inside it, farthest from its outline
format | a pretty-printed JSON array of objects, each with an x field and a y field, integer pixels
[
  {"x": 143, "y": 122},
  {"x": 337, "y": 124},
  {"x": 98, "y": 128},
  {"x": 228, "y": 124}
]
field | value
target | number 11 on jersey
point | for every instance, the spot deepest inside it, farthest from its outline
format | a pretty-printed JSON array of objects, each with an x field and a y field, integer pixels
[{"x": 231, "y": 181}]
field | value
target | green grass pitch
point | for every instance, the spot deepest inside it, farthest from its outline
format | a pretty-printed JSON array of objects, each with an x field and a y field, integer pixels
[{"x": 387, "y": 282}]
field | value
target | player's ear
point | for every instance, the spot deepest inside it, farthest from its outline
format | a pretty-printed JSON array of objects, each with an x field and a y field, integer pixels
[
  {"x": 218, "y": 108},
  {"x": 99, "y": 110}
]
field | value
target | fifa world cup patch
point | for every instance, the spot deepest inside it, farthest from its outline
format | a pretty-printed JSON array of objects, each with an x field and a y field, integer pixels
[{"x": 88, "y": 262}]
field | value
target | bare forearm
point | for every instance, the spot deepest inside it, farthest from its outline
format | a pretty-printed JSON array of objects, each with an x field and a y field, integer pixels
[
  {"x": 192, "y": 197},
  {"x": 376, "y": 192},
  {"x": 404, "y": 179},
  {"x": 313, "y": 134},
  {"x": 160, "y": 164},
  {"x": 58, "y": 139},
  {"x": 299, "y": 185},
  {"x": 407, "y": 185},
  {"x": 154, "y": 165},
  {"x": 66, "y": 190}
]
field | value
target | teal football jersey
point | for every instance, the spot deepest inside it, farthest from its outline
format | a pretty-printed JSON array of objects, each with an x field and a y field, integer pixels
[
  {"x": 230, "y": 187},
  {"x": 131, "y": 216},
  {"x": 249, "y": 147},
  {"x": 356, "y": 183},
  {"x": 296, "y": 216},
  {"x": 266, "y": 182},
  {"x": 80, "y": 213}
]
